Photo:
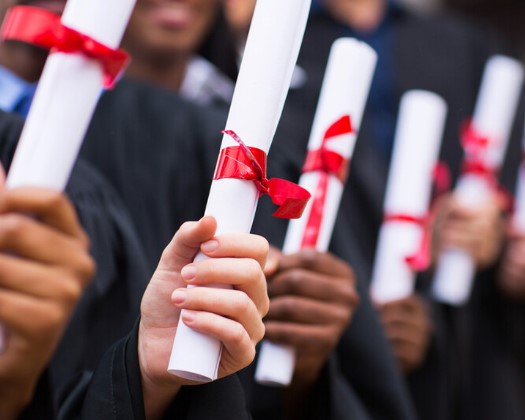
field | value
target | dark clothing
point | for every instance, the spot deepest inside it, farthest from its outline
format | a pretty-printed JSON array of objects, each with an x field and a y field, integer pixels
[
  {"x": 444, "y": 56},
  {"x": 159, "y": 152},
  {"x": 114, "y": 392}
]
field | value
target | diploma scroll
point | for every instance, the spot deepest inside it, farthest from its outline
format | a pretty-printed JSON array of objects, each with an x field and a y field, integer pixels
[
  {"x": 342, "y": 100},
  {"x": 408, "y": 192},
  {"x": 271, "y": 52},
  {"x": 492, "y": 121},
  {"x": 66, "y": 98}
]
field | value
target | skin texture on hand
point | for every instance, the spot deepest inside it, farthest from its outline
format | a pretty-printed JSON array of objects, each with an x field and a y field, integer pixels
[
  {"x": 408, "y": 328},
  {"x": 44, "y": 267},
  {"x": 511, "y": 275},
  {"x": 478, "y": 230},
  {"x": 233, "y": 316},
  {"x": 312, "y": 300}
]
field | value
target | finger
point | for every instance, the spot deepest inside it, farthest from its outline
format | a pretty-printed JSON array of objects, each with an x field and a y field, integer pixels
[
  {"x": 232, "y": 304},
  {"x": 186, "y": 244},
  {"x": 51, "y": 207},
  {"x": 306, "y": 311},
  {"x": 406, "y": 333},
  {"x": 244, "y": 274},
  {"x": 303, "y": 338},
  {"x": 321, "y": 262},
  {"x": 45, "y": 317},
  {"x": 238, "y": 344},
  {"x": 27, "y": 238},
  {"x": 272, "y": 262},
  {"x": 238, "y": 245},
  {"x": 38, "y": 281},
  {"x": 301, "y": 282}
]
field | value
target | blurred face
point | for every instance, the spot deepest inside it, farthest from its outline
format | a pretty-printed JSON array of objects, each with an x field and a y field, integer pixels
[{"x": 169, "y": 26}]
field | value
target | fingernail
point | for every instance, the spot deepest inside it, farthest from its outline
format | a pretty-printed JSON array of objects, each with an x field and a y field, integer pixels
[
  {"x": 179, "y": 296},
  {"x": 188, "y": 272},
  {"x": 210, "y": 246},
  {"x": 188, "y": 316}
]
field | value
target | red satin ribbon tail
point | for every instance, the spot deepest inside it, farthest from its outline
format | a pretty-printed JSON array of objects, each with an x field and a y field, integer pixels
[{"x": 291, "y": 198}]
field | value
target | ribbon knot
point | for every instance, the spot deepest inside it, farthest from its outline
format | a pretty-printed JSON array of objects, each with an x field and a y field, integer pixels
[
  {"x": 420, "y": 259},
  {"x": 44, "y": 29},
  {"x": 475, "y": 146},
  {"x": 249, "y": 163},
  {"x": 327, "y": 163}
]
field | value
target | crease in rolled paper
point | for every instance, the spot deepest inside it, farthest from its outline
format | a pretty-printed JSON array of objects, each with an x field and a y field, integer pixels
[
  {"x": 275, "y": 35},
  {"x": 338, "y": 116},
  {"x": 493, "y": 116}
]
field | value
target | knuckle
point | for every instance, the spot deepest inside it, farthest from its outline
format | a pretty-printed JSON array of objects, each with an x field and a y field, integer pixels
[
  {"x": 307, "y": 257},
  {"x": 293, "y": 280},
  {"x": 238, "y": 335},
  {"x": 12, "y": 225}
]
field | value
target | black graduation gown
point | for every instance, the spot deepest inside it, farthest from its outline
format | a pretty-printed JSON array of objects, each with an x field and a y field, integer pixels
[
  {"x": 159, "y": 152},
  {"x": 421, "y": 51}
]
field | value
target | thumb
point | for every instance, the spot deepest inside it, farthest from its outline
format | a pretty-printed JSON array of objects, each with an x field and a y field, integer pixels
[{"x": 186, "y": 243}]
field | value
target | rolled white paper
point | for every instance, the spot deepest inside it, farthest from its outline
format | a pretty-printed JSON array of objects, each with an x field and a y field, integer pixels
[
  {"x": 271, "y": 52},
  {"x": 416, "y": 148},
  {"x": 493, "y": 117},
  {"x": 65, "y": 100},
  {"x": 344, "y": 92}
]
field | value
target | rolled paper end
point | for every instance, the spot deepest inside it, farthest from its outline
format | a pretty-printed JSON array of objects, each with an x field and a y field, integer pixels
[
  {"x": 454, "y": 278},
  {"x": 276, "y": 364},
  {"x": 194, "y": 356}
]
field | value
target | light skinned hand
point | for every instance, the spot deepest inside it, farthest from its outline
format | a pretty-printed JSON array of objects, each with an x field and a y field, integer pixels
[{"x": 233, "y": 316}]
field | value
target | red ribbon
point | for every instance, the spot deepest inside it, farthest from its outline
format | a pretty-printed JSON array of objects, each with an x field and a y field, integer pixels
[
  {"x": 249, "y": 163},
  {"x": 328, "y": 163},
  {"x": 44, "y": 29},
  {"x": 475, "y": 145},
  {"x": 420, "y": 260}
]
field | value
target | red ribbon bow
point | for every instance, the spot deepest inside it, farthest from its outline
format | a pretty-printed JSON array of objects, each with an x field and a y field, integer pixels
[
  {"x": 327, "y": 162},
  {"x": 45, "y": 29},
  {"x": 419, "y": 260},
  {"x": 475, "y": 145},
  {"x": 249, "y": 163}
]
